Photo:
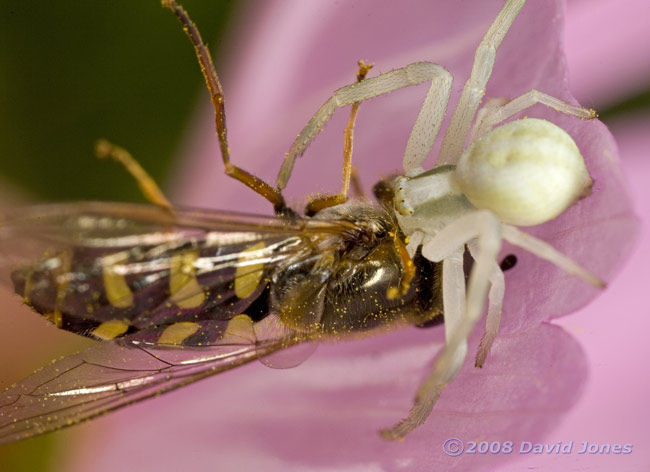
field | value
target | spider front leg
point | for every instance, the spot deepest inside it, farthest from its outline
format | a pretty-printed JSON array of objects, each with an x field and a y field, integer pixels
[
  {"x": 494, "y": 115},
  {"x": 474, "y": 89},
  {"x": 426, "y": 127},
  {"x": 461, "y": 313}
]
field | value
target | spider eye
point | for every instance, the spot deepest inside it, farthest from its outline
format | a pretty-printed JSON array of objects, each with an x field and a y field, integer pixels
[{"x": 526, "y": 172}]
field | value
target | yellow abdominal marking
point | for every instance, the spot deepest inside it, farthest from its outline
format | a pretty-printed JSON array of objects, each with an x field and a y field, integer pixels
[
  {"x": 184, "y": 289},
  {"x": 241, "y": 328},
  {"x": 110, "y": 329},
  {"x": 60, "y": 277},
  {"x": 118, "y": 292},
  {"x": 178, "y": 332},
  {"x": 248, "y": 276}
]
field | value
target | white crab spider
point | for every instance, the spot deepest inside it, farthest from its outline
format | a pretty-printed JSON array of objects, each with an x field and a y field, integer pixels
[{"x": 525, "y": 172}]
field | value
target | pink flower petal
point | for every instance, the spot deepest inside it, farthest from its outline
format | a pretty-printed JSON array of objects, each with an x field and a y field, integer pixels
[
  {"x": 325, "y": 414},
  {"x": 605, "y": 46}
]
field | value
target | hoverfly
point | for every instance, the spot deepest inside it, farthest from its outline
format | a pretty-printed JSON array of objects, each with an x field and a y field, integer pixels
[{"x": 177, "y": 295}]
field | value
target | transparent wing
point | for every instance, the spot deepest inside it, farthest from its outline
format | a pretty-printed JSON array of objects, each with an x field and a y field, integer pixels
[
  {"x": 83, "y": 220},
  {"x": 113, "y": 374},
  {"x": 28, "y": 233},
  {"x": 84, "y": 264}
]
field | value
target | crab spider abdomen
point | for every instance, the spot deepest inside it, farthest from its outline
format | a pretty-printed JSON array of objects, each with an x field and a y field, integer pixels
[{"x": 526, "y": 172}]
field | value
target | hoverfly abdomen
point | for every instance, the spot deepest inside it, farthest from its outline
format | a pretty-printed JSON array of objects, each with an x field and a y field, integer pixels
[{"x": 111, "y": 292}]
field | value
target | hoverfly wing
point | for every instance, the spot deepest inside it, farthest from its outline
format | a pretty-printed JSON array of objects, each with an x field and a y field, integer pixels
[
  {"x": 113, "y": 374},
  {"x": 175, "y": 297},
  {"x": 106, "y": 270}
]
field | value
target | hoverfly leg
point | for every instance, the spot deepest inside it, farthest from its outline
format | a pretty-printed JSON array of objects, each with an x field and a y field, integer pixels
[
  {"x": 150, "y": 190},
  {"x": 256, "y": 184},
  {"x": 355, "y": 183},
  {"x": 407, "y": 275},
  {"x": 321, "y": 202}
]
